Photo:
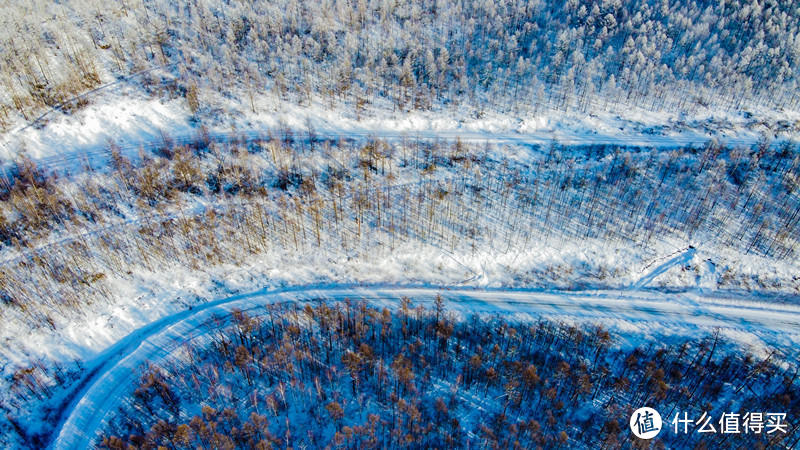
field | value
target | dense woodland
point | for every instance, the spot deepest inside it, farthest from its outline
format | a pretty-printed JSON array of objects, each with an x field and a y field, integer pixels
[
  {"x": 419, "y": 54},
  {"x": 347, "y": 375}
]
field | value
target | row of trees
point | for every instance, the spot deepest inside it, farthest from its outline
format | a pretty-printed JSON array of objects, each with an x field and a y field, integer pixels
[
  {"x": 352, "y": 376},
  {"x": 497, "y": 55}
]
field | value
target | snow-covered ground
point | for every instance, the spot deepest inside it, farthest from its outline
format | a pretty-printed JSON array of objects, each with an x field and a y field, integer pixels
[
  {"x": 161, "y": 309},
  {"x": 639, "y": 314},
  {"x": 552, "y": 262},
  {"x": 549, "y": 261},
  {"x": 132, "y": 122},
  {"x": 676, "y": 287}
]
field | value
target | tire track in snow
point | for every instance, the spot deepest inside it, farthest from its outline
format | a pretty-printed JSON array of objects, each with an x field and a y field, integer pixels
[{"x": 111, "y": 374}]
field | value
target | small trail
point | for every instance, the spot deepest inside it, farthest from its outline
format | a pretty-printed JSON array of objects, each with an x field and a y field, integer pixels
[
  {"x": 681, "y": 259},
  {"x": 111, "y": 374}
]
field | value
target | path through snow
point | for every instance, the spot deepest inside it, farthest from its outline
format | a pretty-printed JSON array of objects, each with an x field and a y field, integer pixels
[{"x": 682, "y": 259}]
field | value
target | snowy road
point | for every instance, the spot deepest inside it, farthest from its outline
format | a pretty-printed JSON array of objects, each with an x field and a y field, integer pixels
[
  {"x": 112, "y": 374},
  {"x": 75, "y": 160}
]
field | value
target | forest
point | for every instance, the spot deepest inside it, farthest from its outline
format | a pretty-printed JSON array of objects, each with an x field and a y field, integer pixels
[
  {"x": 70, "y": 242},
  {"x": 635, "y": 163},
  {"x": 208, "y": 204},
  {"x": 349, "y": 375},
  {"x": 586, "y": 56}
]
